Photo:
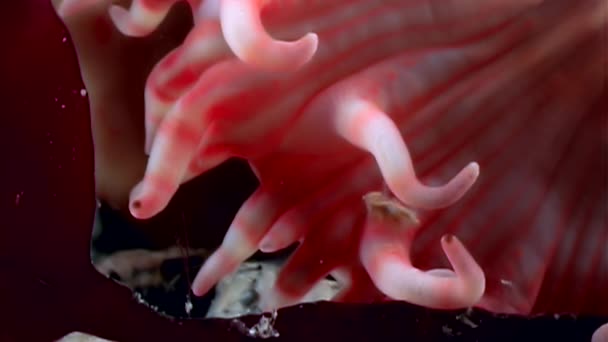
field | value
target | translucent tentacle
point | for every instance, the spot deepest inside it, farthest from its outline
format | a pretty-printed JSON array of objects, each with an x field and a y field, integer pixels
[
  {"x": 246, "y": 36},
  {"x": 141, "y": 18},
  {"x": 177, "y": 141},
  {"x": 177, "y": 72},
  {"x": 241, "y": 241},
  {"x": 385, "y": 254},
  {"x": 364, "y": 125},
  {"x": 601, "y": 334}
]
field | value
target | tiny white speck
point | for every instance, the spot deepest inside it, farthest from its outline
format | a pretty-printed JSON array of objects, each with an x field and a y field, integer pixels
[
  {"x": 62, "y": 106},
  {"x": 506, "y": 282},
  {"x": 466, "y": 320},
  {"x": 189, "y": 306},
  {"x": 83, "y": 92},
  {"x": 65, "y": 39}
]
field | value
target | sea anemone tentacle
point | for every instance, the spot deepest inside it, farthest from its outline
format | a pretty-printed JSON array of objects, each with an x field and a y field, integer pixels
[
  {"x": 385, "y": 253},
  {"x": 246, "y": 36},
  {"x": 363, "y": 124},
  {"x": 405, "y": 93},
  {"x": 178, "y": 71},
  {"x": 270, "y": 205},
  {"x": 179, "y": 137},
  {"x": 330, "y": 244},
  {"x": 601, "y": 334},
  {"x": 249, "y": 226},
  {"x": 143, "y": 17}
]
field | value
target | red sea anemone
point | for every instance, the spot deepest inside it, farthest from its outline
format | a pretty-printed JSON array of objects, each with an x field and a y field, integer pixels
[{"x": 354, "y": 118}]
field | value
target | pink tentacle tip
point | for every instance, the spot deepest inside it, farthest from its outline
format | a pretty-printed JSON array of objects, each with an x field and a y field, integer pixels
[
  {"x": 137, "y": 202},
  {"x": 249, "y": 41},
  {"x": 142, "y": 18},
  {"x": 148, "y": 199},
  {"x": 601, "y": 334},
  {"x": 130, "y": 23},
  {"x": 437, "y": 288},
  {"x": 124, "y": 23},
  {"x": 427, "y": 197},
  {"x": 271, "y": 244},
  {"x": 470, "y": 275}
]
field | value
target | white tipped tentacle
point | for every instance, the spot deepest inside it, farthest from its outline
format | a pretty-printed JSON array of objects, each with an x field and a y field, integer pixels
[
  {"x": 385, "y": 254},
  {"x": 139, "y": 20},
  {"x": 364, "y": 125},
  {"x": 248, "y": 39}
]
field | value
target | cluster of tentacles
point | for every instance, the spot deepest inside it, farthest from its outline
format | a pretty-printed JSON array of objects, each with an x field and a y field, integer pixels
[
  {"x": 322, "y": 116},
  {"x": 200, "y": 111}
]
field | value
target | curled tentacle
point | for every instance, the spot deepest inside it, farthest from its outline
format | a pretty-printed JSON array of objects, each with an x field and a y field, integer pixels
[
  {"x": 364, "y": 125},
  {"x": 141, "y": 18},
  {"x": 246, "y": 36},
  {"x": 386, "y": 256}
]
